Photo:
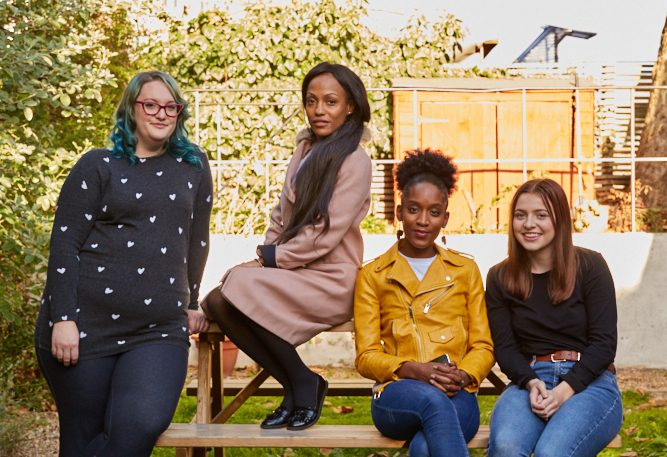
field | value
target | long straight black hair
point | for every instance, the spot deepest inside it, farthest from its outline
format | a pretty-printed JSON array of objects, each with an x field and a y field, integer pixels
[{"x": 315, "y": 181}]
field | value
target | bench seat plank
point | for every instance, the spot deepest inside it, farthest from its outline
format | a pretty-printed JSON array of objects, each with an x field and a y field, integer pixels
[
  {"x": 318, "y": 436},
  {"x": 337, "y": 388}
]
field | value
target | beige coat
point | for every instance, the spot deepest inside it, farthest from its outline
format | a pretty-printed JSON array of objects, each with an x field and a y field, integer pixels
[{"x": 312, "y": 288}]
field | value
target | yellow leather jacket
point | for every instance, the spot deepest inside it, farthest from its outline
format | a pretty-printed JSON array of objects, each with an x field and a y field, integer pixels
[{"x": 397, "y": 318}]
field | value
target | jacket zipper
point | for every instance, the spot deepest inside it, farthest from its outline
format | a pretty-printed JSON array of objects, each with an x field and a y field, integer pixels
[
  {"x": 431, "y": 302},
  {"x": 420, "y": 350}
]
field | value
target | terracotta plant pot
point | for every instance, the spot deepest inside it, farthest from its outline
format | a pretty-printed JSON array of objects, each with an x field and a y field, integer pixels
[{"x": 229, "y": 355}]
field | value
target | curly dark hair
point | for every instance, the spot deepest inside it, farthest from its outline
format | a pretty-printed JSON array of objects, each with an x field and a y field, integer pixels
[{"x": 426, "y": 166}]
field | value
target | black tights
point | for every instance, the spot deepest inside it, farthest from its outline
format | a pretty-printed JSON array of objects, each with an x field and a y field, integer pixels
[{"x": 278, "y": 357}]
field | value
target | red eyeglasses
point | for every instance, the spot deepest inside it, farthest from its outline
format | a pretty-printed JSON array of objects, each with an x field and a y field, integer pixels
[{"x": 152, "y": 108}]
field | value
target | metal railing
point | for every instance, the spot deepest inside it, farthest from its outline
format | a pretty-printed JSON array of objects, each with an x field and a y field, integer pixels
[{"x": 267, "y": 162}]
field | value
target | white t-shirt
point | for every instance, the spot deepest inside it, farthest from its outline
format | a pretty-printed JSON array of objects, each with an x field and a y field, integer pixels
[{"x": 419, "y": 266}]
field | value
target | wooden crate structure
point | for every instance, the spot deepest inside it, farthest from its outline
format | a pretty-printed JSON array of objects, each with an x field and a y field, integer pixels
[{"x": 483, "y": 119}]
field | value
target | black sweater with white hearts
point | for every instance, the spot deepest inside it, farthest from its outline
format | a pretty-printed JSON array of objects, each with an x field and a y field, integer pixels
[{"x": 127, "y": 252}]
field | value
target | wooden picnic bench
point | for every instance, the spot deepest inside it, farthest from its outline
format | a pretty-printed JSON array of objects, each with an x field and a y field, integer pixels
[{"x": 209, "y": 430}]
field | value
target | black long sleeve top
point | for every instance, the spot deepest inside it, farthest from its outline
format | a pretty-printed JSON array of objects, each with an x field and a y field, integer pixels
[
  {"x": 585, "y": 322},
  {"x": 127, "y": 252}
]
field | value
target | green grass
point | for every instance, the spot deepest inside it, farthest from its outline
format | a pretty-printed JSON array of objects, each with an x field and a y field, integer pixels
[{"x": 644, "y": 429}]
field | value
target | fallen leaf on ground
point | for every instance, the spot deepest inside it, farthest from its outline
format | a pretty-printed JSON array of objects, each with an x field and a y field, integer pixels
[
  {"x": 631, "y": 430},
  {"x": 342, "y": 409},
  {"x": 654, "y": 403}
]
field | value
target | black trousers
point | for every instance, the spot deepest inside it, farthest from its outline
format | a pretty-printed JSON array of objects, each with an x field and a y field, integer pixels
[{"x": 117, "y": 405}]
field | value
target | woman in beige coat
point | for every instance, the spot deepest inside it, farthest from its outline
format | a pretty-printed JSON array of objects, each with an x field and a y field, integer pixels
[{"x": 311, "y": 251}]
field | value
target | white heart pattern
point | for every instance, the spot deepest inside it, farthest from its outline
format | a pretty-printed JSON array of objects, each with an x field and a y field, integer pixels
[
  {"x": 138, "y": 195},
  {"x": 163, "y": 249},
  {"x": 120, "y": 226},
  {"x": 152, "y": 219},
  {"x": 148, "y": 301},
  {"x": 189, "y": 185},
  {"x": 61, "y": 270},
  {"x": 82, "y": 335},
  {"x": 121, "y": 342},
  {"x": 180, "y": 231},
  {"x": 180, "y": 304},
  {"x": 50, "y": 324},
  {"x": 88, "y": 216},
  {"x": 208, "y": 199},
  {"x": 159, "y": 173},
  {"x": 106, "y": 159},
  {"x": 184, "y": 329},
  {"x": 63, "y": 228},
  {"x": 115, "y": 316},
  {"x": 130, "y": 244},
  {"x": 123, "y": 180},
  {"x": 142, "y": 160},
  {"x": 171, "y": 280},
  {"x": 164, "y": 335},
  {"x": 203, "y": 243},
  {"x": 100, "y": 269},
  {"x": 63, "y": 318},
  {"x": 172, "y": 197},
  {"x": 84, "y": 186},
  {"x": 151, "y": 325},
  {"x": 94, "y": 245},
  {"x": 108, "y": 291},
  {"x": 104, "y": 210},
  {"x": 179, "y": 159},
  {"x": 141, "y": 270}
]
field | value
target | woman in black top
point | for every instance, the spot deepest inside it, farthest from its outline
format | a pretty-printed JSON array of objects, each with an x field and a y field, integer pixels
[
  {"x": 552, "y": 312},
  {"x": 128, "y": 247}
]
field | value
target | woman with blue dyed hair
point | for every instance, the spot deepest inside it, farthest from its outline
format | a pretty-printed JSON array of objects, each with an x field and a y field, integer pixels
[{"x": 127, "y": 253}]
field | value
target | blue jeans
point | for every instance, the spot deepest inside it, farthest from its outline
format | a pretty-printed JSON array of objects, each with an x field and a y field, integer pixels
[
  {"x": 583, "y": 425},
  {"x": 117, "y": 405},
  {"x": 436, "y": 424}
]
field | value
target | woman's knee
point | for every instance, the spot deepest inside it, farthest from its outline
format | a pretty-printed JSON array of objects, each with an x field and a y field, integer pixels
[
  {"x": 141, "y": 430},
  {"x": 504, "y": 445}
]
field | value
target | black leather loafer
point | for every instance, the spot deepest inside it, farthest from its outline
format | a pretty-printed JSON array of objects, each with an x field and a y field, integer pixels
[
  {"x": 306, "y": 417},
  {"x": 277, "y": 419}
]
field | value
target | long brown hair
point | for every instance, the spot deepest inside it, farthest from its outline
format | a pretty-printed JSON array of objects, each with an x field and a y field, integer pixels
[
  {"x": 516, "y": 272},
  {"x": 315, "y": 181}
]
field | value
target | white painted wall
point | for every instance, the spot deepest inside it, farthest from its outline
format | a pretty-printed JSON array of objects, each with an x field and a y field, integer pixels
[{"x": 637, "y": 262}]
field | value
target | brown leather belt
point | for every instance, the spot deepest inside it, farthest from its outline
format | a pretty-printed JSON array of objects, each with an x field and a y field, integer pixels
[{"x": 566, "y": 356}]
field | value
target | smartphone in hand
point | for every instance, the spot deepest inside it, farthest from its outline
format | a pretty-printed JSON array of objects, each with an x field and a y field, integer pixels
[{"x": 444, "y": 358}]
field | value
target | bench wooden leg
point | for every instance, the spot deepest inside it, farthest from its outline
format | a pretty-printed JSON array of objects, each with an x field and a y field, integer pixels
[
  {"x": 497, "y": 382},
  {"x": 241, "y": 397}
]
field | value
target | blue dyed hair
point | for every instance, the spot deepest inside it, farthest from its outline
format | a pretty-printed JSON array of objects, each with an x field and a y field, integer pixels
[{"x": 122, "y": 136}]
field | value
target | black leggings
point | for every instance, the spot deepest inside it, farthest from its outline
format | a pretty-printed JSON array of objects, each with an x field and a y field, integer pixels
[
  {"x": 278, "y": 357},
  {"x": 117, "y": 405}
]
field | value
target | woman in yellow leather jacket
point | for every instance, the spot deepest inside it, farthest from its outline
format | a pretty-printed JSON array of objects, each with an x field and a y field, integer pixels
[{"x": 420, "y": 321}]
